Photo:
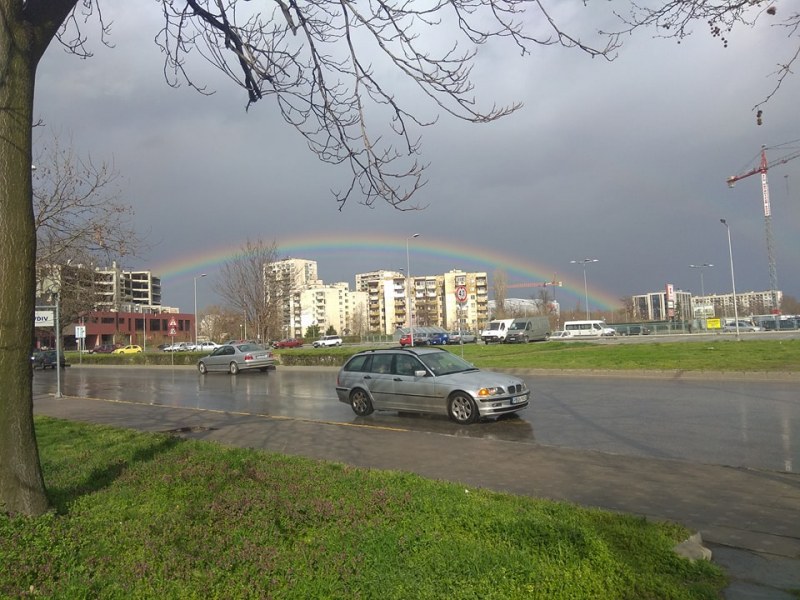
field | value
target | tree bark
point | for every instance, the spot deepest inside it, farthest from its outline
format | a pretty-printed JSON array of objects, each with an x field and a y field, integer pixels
[{"x": 22, "y": 489}]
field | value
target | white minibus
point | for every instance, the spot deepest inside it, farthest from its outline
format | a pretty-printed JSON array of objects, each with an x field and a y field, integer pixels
[{"x": 587, "y": 328}]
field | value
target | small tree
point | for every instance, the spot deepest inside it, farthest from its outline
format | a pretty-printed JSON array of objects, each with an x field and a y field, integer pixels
[
  {"x": 248, "y": 287},
  {"x": 312, "y": 332}
]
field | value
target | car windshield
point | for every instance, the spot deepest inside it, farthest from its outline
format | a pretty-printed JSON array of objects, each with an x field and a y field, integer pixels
[
  {"x": 249, "y": 347},
  {"x": 445, "y": 363}
]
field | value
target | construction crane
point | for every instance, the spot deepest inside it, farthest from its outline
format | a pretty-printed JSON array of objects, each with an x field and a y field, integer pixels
[
  {"x": 531, "y": 284},
  {"x": 762, "y": 168}
]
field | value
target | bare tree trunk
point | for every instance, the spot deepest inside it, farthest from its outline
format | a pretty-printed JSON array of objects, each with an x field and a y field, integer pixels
[{"x": 21, "y": 483}]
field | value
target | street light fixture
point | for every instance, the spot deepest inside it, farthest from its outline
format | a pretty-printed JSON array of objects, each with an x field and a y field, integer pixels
[
  {"x": 408, "y": 283},
  {"x": 733, "y": 279},
  {"x": 583, "y": 262},
  {"x": 195, "y": 305}
]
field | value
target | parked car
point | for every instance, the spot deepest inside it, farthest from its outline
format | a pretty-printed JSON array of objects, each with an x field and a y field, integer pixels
[
  {"x": 438, "y": 338},
  {"x": 637, "y": 330},
  {"x": 288, "y": 343},
  {"x": 205, "y": 346},
  {"x": 178, "y": 347},
  {"x": 129, "y": 349},
  {"x": 232, "y": 358},
  {"x": 104, "y": 349},
  {"x": 466, "y": 337},
  {"x": 44, "y": 359},
  {"x": 328, "y": 341},
  {"x": 405, "y": 339},
  {"x": 427, "y": 380},
  {"x": 420, "y": 338},
  {"x": 560, "y": 335},
  {"x": 743, "y": 326}
]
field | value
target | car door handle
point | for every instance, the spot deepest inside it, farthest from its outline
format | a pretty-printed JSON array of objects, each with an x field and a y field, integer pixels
[
  {"x": 398, "y": 379},
  {"x": 367, "y": 377}
]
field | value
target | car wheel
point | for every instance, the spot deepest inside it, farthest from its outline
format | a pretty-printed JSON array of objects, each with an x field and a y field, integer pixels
[
  {"x": 234, "y": 368},
  {"x": 202, "y": 368},
  {"x": 461, "y": 408},
  {"x": 360, "y": 403}
]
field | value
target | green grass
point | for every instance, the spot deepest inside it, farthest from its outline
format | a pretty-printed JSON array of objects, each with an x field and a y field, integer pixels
[
  {"x": 151, "y": 516},
  {"x": 699, "y": 354},
  {"x": 706, "y": 355},
  {"x": 781, "y": 355}
]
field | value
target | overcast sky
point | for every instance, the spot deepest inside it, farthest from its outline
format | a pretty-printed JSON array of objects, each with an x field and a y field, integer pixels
[{"x": 622, "y": 161}]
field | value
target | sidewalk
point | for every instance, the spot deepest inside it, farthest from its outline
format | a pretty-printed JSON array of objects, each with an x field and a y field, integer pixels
[{"x": 749, "y": 518}]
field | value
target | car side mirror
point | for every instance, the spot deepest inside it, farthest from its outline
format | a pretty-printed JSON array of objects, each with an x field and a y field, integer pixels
[{"x": 420, "y": 373}]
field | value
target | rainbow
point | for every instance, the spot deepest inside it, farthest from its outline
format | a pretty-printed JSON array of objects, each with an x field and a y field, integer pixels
[{"x": 467, "y": 258}]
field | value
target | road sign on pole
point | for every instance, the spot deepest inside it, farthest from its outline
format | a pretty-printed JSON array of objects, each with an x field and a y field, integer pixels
[{"x": 461, "y": 294}]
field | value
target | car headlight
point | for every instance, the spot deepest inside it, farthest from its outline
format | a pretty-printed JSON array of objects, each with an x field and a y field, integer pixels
[{"x": 490, "y": 391}]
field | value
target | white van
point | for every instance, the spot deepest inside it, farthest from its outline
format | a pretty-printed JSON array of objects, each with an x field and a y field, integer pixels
[
  {"x": 528, "y": 329},
  {"x": 496, "y": 331},
  {"x": 588, "y": 328}
]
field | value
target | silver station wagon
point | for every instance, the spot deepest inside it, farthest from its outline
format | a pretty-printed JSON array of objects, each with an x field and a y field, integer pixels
[
  {"x": 233, "y": 358},
  {"x": 427, "y": 380}
]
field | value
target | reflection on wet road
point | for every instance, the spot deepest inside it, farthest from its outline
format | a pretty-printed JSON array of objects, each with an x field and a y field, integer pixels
[{"x": 737, "y": 423}]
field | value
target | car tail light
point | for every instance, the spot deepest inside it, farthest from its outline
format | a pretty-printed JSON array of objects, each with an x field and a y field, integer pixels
[{"x": 248, "y": 357}]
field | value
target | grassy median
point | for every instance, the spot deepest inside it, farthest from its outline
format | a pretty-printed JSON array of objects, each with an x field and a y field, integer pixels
[
  {"x": 701, "y": 353},
  {"x": 154, "y": 516}
]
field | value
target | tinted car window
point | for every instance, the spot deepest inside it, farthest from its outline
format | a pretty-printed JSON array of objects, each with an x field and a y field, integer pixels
[
  {"x": 443, "y": 363},
  {"x": 382, "y": 363},
  {"x": 357, "y": 363},
  {"x": 406, "y": 365}
]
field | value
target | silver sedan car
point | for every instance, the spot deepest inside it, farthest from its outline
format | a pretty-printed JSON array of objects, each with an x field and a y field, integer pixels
[
  {"x": 232, "y": 358},
  {"x": 427, "y": 380}
]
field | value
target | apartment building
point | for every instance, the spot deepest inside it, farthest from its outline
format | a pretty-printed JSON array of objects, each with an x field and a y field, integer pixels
[
  {"x": 285, "y": 281},
  {"x": 392, "y": 299},
  {"x": 117, "y": 289},
  {"x": 747, "y": 303},
  {"x": 333, "y": 305},
  {"x": 386, "y": 295}
]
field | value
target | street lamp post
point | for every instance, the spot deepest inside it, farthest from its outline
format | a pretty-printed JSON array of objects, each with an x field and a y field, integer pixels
[
  {"x": 702, "y": 285},
  {"x": 408, "y": 295},
  {"x": 733, "y": 279},
  {"x": 583, "y": 262},
  {"x": 195, "y": 305}
]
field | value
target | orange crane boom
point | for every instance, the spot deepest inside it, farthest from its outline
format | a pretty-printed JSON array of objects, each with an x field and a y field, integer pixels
[{"x": 762, "y": 168}]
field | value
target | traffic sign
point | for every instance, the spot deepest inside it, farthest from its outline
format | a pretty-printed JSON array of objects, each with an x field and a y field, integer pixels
[
  {"x": 461, "y": 294},
  {"x": 173, "y": 324}
]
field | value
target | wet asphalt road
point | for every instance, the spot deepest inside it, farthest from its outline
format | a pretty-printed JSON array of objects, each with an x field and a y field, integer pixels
[{"x": 754, "y": 424}]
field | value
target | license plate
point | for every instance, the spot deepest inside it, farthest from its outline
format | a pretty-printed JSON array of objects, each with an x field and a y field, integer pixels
[{"x": 518, "y": 399}]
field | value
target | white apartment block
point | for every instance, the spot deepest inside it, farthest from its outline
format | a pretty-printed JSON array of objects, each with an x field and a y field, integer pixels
[
  {"x": 392, "y": 299},
  {"x": 747, "y": 303},
  {"x": 386, "y": 298},
  {"x": 332, "y": 305},
  {"x": 294, "y": 273},
  {"x": 286, "y": 280},
  {"x": 471, "y": 315}
]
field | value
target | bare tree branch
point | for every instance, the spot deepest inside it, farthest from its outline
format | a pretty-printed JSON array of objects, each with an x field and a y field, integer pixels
[{"x": 78, "y": 216}]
